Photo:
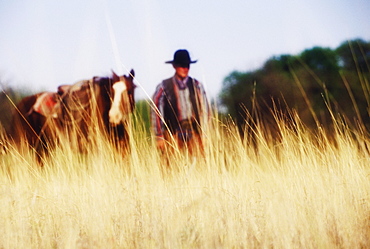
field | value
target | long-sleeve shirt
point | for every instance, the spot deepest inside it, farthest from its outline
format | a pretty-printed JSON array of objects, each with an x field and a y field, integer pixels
[{"x": 175, "y": 102}]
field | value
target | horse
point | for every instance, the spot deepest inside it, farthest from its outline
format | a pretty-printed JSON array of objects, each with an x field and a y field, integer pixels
[
  {"x": 76, "y": 112},
  {"x": 29, "y": 125}
]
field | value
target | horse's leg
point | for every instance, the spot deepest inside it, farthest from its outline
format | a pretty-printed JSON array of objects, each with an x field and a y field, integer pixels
[
  {"x": 120, "y": 138},
  {"x": 42, "y": 141}
]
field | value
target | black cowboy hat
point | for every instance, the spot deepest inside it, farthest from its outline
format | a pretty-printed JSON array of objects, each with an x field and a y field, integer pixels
[{"x": 181, "y": 57}]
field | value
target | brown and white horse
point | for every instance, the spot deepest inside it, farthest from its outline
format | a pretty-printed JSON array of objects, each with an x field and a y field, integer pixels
[{"x": 76, "y": 112}]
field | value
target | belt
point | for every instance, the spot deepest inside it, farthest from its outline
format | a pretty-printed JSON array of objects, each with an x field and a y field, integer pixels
[
  {"x": 186, "y": 125},
  {"x": 185, "y": 131}
]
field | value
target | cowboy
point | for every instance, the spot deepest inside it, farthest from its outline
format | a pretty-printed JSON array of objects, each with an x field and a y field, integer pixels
[{"x": 181, "y": 107}]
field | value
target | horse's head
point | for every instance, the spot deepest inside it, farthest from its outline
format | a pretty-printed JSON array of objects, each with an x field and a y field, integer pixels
[{"x": 123, "y": 99}]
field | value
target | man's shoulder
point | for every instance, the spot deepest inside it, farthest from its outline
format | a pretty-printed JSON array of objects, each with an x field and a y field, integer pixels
[
  {"x": 167, "y": 84},
  {"x": 163, "y": 82},
  {"x": 195, "y": 82},
  {"x": 167, "y": 81},
  {"x": 163, "y": 87}
]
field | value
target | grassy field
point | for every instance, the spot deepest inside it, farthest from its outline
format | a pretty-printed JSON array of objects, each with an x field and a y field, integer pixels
[{"x": 301, "y": 191}]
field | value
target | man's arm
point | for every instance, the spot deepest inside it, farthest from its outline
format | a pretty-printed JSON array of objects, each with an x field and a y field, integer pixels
[{"x": 156, "y": 115}]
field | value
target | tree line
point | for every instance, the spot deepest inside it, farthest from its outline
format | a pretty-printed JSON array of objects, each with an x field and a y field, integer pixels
[{"x": 318, "y": 84}]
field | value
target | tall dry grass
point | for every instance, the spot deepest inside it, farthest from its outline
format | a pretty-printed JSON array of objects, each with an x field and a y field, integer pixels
[{"x": 304, "y": 190}]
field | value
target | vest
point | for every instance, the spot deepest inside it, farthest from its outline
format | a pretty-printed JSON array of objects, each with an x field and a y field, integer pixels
[{"x": 171, "y": 107}]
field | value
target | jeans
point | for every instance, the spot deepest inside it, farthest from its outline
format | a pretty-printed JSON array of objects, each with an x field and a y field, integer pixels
[{"x": 185, "y": 135}]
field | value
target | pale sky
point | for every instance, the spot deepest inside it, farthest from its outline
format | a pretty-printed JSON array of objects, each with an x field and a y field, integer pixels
[{"x": 46, "y": 43}]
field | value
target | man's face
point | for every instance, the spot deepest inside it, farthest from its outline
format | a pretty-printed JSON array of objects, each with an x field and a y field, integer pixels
[{"x": 182, "y": 71}]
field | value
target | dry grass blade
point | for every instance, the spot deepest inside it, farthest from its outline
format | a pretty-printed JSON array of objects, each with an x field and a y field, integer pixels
[{"x": 303, "y": 190}]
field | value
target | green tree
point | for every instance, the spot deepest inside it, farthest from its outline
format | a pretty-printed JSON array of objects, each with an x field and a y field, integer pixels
[
  {"x": 354, "y": 58},
  {"x": 354, "y": 55},
  {"x": 320, "y": 60},
  {"x": 312, "y": 83}
]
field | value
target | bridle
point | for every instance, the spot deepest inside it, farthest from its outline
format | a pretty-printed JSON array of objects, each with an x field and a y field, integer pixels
[{"x": 122, "y": 102}]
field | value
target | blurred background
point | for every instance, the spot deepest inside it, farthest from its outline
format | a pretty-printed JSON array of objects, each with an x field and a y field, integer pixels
[{"x": 240, "y": 46}]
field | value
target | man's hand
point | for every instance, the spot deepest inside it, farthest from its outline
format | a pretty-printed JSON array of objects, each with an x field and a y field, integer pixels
[{"x": 161, "y": 143}]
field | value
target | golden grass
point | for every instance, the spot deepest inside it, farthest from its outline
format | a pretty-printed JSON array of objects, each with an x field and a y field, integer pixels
[{"x": 304, "y": 191}]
